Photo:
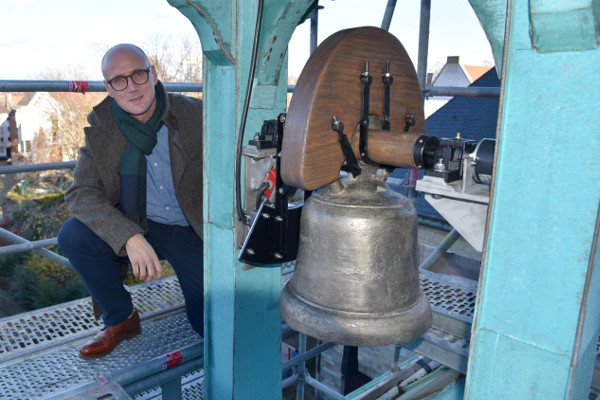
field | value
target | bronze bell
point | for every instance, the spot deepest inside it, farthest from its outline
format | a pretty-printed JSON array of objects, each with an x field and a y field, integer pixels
[{"x": 356, "y": 280}]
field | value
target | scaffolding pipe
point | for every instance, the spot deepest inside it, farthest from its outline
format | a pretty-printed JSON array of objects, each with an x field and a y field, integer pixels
[
  {"x": 423, "y": 43},
  {"x": 396, "y": 360},
  {"x": 82, "y": 86},
  {"x": 387, "y": 16},
  {"x": 440, "y": 250},
  {"x": 92, "y": 86},
  {"x": 146, "y": 369},
  {"x": 148, "y": 372},
  {"x": 323, "y": 388},
  {"x": 29, "y": 246},
  {"x": 289, "y": 381},
  {"x": 14, "y": 169},
  {"x": 470, "y": 91},
  {"x": 11, "y": 237},
  {"x": 314, "y": 30},
  {"x": 307, "y": 355},
  {"x": 164, "y": 378},
  {"x": 302, "y": 367},
  {"x": 421, "y": 74},
  {"x": 196, "y": 87}
]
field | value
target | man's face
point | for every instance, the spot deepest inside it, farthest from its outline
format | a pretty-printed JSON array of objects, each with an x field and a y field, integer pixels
[{"x": 137, "y": 100}]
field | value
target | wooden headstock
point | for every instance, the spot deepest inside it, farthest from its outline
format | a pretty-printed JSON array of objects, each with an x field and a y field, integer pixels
[{"x": 330, "y": 85}]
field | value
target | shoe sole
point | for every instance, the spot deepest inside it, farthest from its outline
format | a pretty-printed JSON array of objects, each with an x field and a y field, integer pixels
[{"x": 92, "y": 356}]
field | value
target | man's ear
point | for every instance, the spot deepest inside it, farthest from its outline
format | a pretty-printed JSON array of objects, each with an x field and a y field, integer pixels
[
  {"x": 154, "y": 75},
  {"x": 108, "y": 89}
]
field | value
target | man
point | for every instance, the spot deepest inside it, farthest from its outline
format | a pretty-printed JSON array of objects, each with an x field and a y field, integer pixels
[{"x": 136, "y": 195}]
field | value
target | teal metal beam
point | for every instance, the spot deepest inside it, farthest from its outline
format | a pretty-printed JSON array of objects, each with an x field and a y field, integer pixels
[
  {"x": 538, "y": 306},
  {"x": 242, "y": 323},
  {"x": 564, "y": 25},
  {"x": 492, "y": 15}
]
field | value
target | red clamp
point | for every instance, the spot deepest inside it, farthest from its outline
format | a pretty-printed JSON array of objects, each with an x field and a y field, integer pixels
[
  {"x": 171, "y": 360},
  {"x": 271, "y": 180},
  {"x": 78, "y": 86}
]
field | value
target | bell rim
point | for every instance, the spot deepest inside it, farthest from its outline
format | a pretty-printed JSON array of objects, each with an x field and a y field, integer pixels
[{"x": 364, "y": 329}]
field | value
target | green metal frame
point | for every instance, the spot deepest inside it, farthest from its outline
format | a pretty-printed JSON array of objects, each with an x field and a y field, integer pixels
[
  {"x": 537, "y": 318},
  {"x": 243, "y": 328}
]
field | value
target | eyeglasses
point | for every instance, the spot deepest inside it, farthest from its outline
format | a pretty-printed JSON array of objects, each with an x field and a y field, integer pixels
[{"x": 139, "y": 77}]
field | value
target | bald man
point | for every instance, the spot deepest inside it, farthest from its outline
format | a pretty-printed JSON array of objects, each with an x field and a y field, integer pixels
[{"x": 136, "y": 195}]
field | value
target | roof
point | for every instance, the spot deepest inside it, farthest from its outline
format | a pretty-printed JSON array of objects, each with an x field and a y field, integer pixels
[
  {"x": 12, "y": 101},
  {"x": 474, "y": 117},
  {"x": 476, "y": 71}
]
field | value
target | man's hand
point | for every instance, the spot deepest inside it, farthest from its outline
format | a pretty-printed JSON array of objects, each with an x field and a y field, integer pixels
[{"x": 144, "y": 261}]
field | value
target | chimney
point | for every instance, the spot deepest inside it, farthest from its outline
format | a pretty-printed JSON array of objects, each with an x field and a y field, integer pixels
[
  {"x": 6, "y": 100},
  {"x": 453, "y": 60},
  {"x": 14, "y": 134}
]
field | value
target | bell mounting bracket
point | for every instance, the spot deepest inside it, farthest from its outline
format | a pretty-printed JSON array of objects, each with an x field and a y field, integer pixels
[{"x": 275, "y": 231}]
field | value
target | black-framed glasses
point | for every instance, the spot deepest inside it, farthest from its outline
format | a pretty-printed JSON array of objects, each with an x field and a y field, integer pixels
[{"x": 139, "y": 77}]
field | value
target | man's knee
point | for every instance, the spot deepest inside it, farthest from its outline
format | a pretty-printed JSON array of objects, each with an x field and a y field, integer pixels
[
  {"x": 68, "y": 235},
  {"x": 76, "y": 238}
]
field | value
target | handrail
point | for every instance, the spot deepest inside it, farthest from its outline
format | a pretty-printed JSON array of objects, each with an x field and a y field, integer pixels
[
  {"x": 198, "y": 87},
  {"x": 11, "y": 237},
  {"x": 14, "y": 169},
  {"x": 82, "y": 86},
  {"x": 90, "y": 86}
]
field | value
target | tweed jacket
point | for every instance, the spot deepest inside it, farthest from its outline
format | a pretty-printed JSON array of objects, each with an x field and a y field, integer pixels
[{"x": 94, "y": 195}]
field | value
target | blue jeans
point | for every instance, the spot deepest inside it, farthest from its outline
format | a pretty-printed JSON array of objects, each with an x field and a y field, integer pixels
[{"x": 95, "y": 261}]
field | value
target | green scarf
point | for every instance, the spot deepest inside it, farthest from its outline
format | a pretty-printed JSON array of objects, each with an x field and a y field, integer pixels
[{"x": 132, "y": 167}]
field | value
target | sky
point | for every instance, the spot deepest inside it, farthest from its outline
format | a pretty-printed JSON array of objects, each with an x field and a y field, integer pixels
[{"x": 70, "y": 36}]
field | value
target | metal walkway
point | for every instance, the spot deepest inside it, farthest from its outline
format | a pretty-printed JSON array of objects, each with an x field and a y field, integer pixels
[
  {"x": 39, "y": 354},
  {"x": 39, "y": 349}
]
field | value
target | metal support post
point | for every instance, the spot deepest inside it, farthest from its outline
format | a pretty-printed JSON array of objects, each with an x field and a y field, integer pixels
[
  {"x": 172, "y": 389},
  {"x": 440, "y": 250},
  {"x": 301, "y": 367},
  {"x": 389, "y": 13},
  {"x": 423, "y": 42},
  {"x": 413, "y": 175},
  {"x": 314, "y": 29}
]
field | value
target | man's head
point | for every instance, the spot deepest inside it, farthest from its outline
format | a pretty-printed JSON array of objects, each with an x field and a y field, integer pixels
[{"x": 125, "y": 67}]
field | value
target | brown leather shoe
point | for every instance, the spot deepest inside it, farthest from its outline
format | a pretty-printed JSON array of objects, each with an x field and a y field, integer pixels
[{"x": 108, "y": 338}]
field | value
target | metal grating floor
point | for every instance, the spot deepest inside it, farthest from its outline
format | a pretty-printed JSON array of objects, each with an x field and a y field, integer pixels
[
  {"x": 451, "y": 295},
  {"x": 40, "y": 349},
  {"x": 49, "y": 327}
]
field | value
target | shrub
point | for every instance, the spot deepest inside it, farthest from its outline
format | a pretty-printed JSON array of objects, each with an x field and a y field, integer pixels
[{"x": 40, "y": 282}]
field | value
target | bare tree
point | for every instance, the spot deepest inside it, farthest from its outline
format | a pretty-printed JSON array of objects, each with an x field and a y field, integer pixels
[
  {"x": 175, "y": 60},
  {"x": 68, "y": 116}
]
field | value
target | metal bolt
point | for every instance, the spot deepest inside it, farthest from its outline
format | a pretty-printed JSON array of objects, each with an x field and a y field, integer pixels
[
  {"x": 265, "y": 216},
  {"x": 278, "y": 256},
  {"x": 250, "y": 251},
  {"x": 278, "y": 218}
]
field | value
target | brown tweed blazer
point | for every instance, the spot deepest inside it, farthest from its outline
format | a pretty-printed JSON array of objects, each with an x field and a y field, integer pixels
[{"x": 94, "y": 194}]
